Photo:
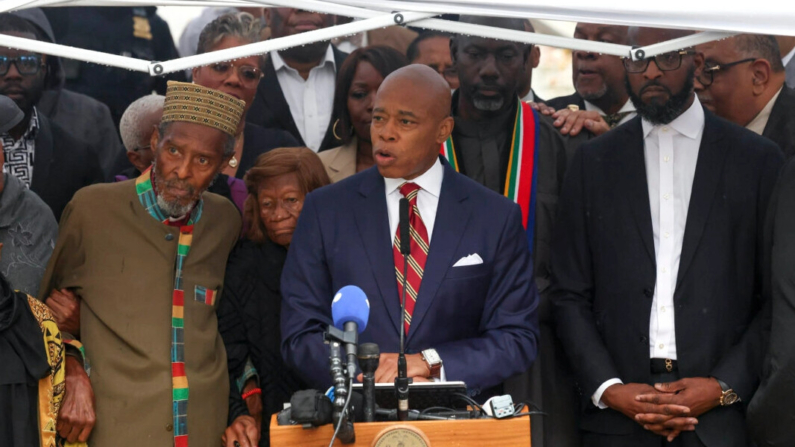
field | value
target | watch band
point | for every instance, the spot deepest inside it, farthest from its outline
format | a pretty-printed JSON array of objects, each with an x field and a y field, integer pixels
[{"x": 435, "y": 367}]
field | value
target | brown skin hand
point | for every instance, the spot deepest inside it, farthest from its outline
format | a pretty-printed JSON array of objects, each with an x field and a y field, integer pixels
[
  {"x": 77, "y": 416},
  {"x": 739, "y": 92},
  {"x": 408, "y": 130},
  {"x": 189, "y": 156},
  {"x": 281, "y": 200}
]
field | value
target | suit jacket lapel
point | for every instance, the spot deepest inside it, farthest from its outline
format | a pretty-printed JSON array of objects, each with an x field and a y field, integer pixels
[
  {"x": 43, "y": 157},
  {"x": 372, "y": 221},
  {"x": 709, "y": 167},
  {"x": 271, "y": 92},
  {"x": 636, "y": 185},
  {"x": 329, "y": 141},
  {"x": 452, "y": 218}
]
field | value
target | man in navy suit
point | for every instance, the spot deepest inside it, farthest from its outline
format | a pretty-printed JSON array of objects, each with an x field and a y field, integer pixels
[{"x": 475, "y": 314}]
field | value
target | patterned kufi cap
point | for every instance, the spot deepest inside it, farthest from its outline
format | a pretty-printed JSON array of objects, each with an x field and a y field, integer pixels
[{"x": 201, "y": 105}]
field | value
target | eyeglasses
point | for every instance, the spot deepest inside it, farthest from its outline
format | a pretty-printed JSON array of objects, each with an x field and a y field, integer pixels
[
  {"x": 707, "y": 74},
  {"x": 26, "y": 65},
  {"x": 665, "y": 62},
  {"x": 249, "y": 76},
  {"x": 142, "y": 148}
]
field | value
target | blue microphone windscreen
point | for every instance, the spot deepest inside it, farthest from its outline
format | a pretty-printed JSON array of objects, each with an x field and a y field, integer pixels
[{"x": 350, "y": 304}]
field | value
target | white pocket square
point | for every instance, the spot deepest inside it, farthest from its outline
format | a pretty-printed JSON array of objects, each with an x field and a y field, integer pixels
[{"x": 473, "y": 259}]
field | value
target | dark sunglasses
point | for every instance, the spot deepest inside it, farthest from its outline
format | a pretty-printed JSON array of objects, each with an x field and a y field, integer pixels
[{"x": 26, "y": 65}]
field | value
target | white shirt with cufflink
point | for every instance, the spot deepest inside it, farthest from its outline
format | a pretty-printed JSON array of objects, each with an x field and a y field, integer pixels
[{"x": 671, "y": 154}]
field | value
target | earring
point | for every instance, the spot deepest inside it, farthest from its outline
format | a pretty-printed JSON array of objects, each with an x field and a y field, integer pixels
[
  {"x": 334, "y": 130},
  {"x": 233, "y": 162}
]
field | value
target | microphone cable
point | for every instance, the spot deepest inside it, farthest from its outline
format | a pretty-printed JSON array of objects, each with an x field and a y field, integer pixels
[{"x": 342, "y": 416}]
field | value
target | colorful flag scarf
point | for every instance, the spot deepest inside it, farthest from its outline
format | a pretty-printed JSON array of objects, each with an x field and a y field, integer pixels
[
  {"x": 179, "y": 380},
  {"x": 520, "y": 183}
]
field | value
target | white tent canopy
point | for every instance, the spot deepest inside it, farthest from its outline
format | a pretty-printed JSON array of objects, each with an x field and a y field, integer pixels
[{"x": 718, "y": 19}]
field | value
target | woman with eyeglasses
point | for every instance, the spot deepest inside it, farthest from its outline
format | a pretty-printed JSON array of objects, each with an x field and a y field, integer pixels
[{"x": 238, "y": 78}]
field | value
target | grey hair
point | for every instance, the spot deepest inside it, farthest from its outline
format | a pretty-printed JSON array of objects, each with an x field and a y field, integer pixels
[
  {"x": 229, "y": 142},
  {"x": 241, "y": 25},
  {"x": 132, "y": 134},
  {"x": 760, "y": 46}
]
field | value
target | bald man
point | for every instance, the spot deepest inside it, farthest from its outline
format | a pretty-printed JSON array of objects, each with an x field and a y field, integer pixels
[
  {"x": 743, "y": 82},
  {"x": 471, "y": 299},
  {"x": 656, "y": 265}
]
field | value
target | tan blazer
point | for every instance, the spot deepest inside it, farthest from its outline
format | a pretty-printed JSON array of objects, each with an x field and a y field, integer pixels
[
  {"x": 340, "y": 162},
  {"x": 121, "y": 262}
]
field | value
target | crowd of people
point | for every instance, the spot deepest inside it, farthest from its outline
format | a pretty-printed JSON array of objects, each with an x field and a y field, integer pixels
[{"x": 619, "y": 257}]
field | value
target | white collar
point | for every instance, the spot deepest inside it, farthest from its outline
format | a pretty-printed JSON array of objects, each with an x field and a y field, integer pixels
[
  {"x": 690, "y": 123},
  {"x": 278, "y": 62},
  {"x": 430, "y": 181},
  {"x": 627, "y": 107},
  {"x": 785, "y": 60}
]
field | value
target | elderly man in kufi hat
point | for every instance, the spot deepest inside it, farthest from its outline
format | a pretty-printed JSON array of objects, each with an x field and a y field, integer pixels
[{"x": 146, "y": 258}]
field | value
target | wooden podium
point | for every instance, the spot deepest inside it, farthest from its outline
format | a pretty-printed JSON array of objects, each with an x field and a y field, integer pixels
[{"x": 458, "y": 433}]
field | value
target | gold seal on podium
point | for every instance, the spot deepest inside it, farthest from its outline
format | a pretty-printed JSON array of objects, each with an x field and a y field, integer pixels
[{"x": 401, "y": 436}]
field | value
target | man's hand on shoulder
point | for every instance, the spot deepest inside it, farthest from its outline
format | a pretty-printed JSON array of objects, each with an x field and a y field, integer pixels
[
  {"x": 571, "y": 122},
  {"x": 664, "y": 419},
  {"x": 77, "y": 416},
  {"x": 416, "y": 368},
  {"x": 65, "y": 306}
]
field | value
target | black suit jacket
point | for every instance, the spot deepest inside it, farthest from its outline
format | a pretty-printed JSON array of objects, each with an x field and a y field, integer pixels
[
  {"x": 781, "y": 125},
  {"x": 604, "y": 264},
  {"x": 771, "y": 414},
  {"x": 270, "y": 108},
  {"x": 562, "y": 101},
  {"x": 63, "y": 164}
]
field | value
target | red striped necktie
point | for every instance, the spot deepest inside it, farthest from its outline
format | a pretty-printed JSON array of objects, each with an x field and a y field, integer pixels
[{"x": 419, "y": 253}]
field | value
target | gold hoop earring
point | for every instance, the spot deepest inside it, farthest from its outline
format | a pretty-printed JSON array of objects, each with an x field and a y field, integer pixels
[{"x": 334, "y": 130}]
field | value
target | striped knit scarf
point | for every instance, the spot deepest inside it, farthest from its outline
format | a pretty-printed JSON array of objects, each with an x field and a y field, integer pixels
[{"x": 179, "y": 380}]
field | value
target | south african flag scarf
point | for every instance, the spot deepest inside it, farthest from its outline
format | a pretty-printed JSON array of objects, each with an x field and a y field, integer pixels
[
  {"x": 520, "y": 183},
  {"x": 179, "y": 380}
]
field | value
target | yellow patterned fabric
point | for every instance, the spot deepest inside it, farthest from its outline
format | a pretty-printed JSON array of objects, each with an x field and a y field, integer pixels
[
  {"x": 200, "y": 105},
  {"x": 51, "y": 388}
]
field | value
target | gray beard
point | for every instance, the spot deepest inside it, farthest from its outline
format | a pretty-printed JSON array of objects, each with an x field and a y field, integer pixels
[
  {"x": 488, "y": 105},
  {"x": 172, "y": 209},
  {"x": 595, "y": 95}
]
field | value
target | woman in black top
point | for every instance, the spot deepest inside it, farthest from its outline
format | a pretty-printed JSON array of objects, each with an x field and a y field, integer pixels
[{"x": 249, "y": 311}]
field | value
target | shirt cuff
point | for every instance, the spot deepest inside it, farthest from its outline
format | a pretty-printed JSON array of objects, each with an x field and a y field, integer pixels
[
  {"x": 249, "y": 372},
  {"x": 597, "y": 396}
]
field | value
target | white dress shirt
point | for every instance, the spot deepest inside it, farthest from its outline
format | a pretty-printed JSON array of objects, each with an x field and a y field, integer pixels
[
  {"x": 758, "y": 124},
  {"x": 627, "y": 107},
  {"x": 671, "y": 153},
  {"x": 785, "y": 60},
  {"x": 430, "y": 183},
  {"x": 311, "y": 101}
]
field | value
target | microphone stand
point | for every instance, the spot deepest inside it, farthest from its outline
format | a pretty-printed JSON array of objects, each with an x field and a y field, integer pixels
[
  {"x": 335, "y": 338},
  {"x": 402, "y": 381}
]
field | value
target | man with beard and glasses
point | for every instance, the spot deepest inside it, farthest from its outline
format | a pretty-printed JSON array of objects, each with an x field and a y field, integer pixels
[
  {"x": 657, "y": 264},
  {"x": 296, "y": 93},
  {"x": 743, "y": 82},
  {"x": 39, "y": 152},
  {"x": 146, "y": 260},
  {"x": 600, "y": 101},
  {"x": 493, "y": 130}
]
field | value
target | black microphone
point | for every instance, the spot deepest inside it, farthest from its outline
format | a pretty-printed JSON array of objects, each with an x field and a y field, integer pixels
[
  {"x": 369, "y": 357},
  {"x": 402, "y": 381}
]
